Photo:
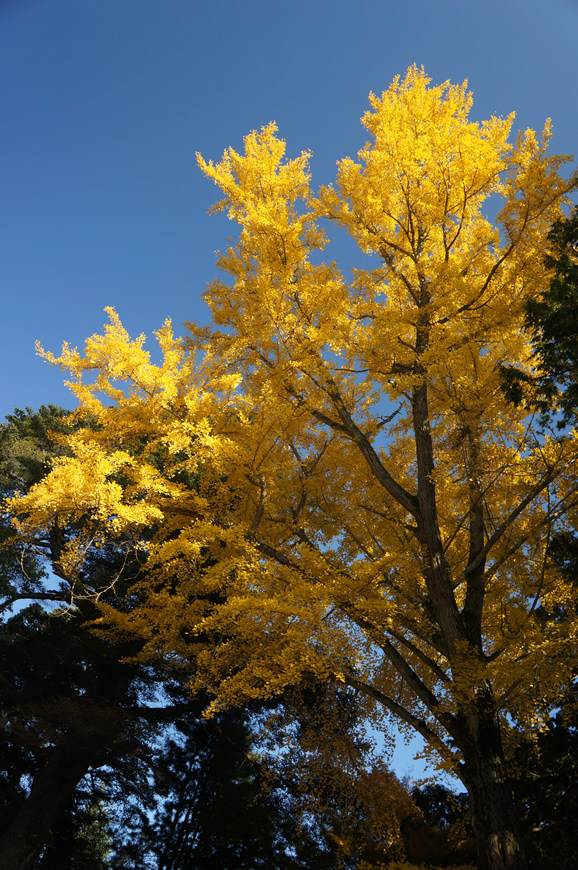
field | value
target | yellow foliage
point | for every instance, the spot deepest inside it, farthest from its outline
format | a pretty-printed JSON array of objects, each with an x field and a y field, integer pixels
[{"x": 331, "y": 480}]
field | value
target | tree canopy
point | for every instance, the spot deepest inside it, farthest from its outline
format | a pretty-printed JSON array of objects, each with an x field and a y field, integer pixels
[{"x": 329, "y": 480}]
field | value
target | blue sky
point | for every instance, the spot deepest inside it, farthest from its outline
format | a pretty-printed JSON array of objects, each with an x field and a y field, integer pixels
[{"x": 103, "y": 104}]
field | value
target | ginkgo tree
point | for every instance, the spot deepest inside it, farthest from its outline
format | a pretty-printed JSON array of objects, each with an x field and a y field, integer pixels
[{"x": 329, "y": 480}]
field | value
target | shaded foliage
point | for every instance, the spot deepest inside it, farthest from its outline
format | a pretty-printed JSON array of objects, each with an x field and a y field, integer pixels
[
  {"x": 552, "y": 320},
  {"x": 441, "y": 833},
  {"x": 546, "y": 790}
]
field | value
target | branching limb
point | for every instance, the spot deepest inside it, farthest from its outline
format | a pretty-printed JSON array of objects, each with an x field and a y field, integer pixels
[
  {"x": 62, "y": 597},
  {"x": 406, "y": 716}
]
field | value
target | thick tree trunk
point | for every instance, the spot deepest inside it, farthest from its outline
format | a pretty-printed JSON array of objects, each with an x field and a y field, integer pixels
[
  {"x": 493, "y": 815},
  {"x": 91, "y": 731},
  {"x": 51, "y": 795}
]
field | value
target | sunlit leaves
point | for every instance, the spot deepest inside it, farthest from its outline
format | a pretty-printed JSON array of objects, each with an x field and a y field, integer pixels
[{"x": 326, "y": 475}]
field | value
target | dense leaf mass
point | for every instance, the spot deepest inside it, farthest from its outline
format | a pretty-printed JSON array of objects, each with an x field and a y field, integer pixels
[{"x": 329, "y": 481}]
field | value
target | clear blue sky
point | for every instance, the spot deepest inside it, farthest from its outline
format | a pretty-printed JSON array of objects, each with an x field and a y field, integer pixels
[{"x": 103, "y": 104}]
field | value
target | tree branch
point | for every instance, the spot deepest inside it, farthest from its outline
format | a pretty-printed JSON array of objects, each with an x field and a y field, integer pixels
[
  {"x": 409, "y": 718},
  {"x": 35, "y": 596}
]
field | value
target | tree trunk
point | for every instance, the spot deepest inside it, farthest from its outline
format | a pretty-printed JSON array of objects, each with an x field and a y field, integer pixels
[
  {"x": 484, "y": 773},
  {"x": 51, "y": 795},
  {"x": 93, "y": 727}
]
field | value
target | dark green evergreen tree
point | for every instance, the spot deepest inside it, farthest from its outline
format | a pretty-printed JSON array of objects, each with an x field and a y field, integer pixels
[{"x": 552, "y": 320}]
